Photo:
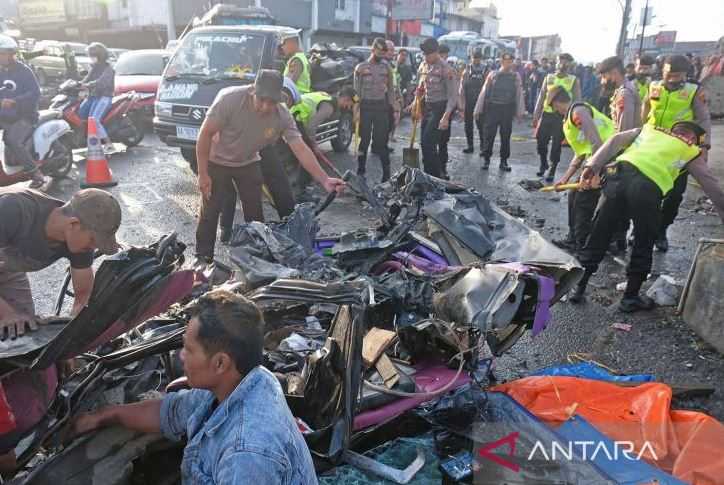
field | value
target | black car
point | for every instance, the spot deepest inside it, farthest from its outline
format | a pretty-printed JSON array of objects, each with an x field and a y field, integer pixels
[{"x": 209, "y": 59}]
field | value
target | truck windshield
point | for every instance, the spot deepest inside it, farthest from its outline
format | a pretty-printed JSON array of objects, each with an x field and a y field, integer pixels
[{"x": 216, "y": 55}]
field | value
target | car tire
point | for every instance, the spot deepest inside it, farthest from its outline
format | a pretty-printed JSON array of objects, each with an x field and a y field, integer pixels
[
  {"x": 345, "y": 132},
  {"x": 189, "y": 155}
]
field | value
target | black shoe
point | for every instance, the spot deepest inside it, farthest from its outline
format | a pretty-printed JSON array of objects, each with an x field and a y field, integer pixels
[
  {"x": 579, "y": 295},
  {"x": 504, "y": 166},
  {"x": 225, "y": 234},
  {"x": 542, "y": 170},
  {"x": 567, "y": 243},
  {"x": 486, "y": 164},
  {"x": 636, "y": 303},
  {"x": 468, "y": 150},
  {"x": 385, "y": 175},
  {"x": 481, "y": 154},
  {"x": 662, "y": 243}
]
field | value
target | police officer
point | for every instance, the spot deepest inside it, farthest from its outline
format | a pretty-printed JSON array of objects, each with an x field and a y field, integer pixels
[
  {"x": 374, "y": 85},
  {"x": 644, "y": 70},
  {"x": 585, "y": 129},
  {"x": 549, "y": 124},
  {"x": 648, "y": 161},
  {"x": 500, "y": 100},
  {"x": 670, "y": 100},
  {"x": 298, "y": 68},
  {"x": 394, "y": 109},
  {"x": 442, "y": 148},
  {"x": 625, "y": 102},
  {"x": 438, "y": 84},
  {"x": 470, "y": 87}
]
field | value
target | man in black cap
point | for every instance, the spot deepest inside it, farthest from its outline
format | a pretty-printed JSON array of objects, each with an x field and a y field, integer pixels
[
  {"x": 242, "y": 121},
  {"x": 37, "y": 230},
  {"x": 374, "y": 84},
  {"x": 648, "y": 161},
  {"x": 547, "y": 123},
  {"x": 438, "y": 85},
  {"x": 470, "y": 87},
  {"x": 500, "y": 100}
]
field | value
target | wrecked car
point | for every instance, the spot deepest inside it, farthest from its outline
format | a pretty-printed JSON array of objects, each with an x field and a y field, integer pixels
[{"x": 361, "y": 327}]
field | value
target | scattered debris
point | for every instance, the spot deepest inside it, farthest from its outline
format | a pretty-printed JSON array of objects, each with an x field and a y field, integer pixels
[
  {"x": 531, "y": 185},
  {"x": 665, "y": 291},
  {"x": 626, "y": 327}
]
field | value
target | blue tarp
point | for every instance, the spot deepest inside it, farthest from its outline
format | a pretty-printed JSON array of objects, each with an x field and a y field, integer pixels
[
  {"x": 589, "y": 370},
  {"x": 626, "y": 470}
]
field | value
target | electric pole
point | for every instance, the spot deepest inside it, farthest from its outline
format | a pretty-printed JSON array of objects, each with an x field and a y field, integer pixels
[
  {"x": 624, "y": 29},
  {"x": 643, "y": 27},
  {"x": 170, "y": 21}
]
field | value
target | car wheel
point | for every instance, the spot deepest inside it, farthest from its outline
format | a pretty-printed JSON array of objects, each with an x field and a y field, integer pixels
[{"x": 345, "y": 131}]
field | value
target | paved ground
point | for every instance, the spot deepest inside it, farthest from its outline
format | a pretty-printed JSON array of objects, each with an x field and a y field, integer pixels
[{"x": 159, "y": 195}]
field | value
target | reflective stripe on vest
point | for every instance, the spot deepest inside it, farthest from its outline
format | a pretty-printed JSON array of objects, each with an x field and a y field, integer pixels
[
  {"x": 307, "y": 106},
  {"x": 304, "y": 83},
  {"x": 575, "y": 136},
  {"x": 659, "y": 155},
  {"x": 567, "y": 83},
  {"x": 668, "y": 107}
]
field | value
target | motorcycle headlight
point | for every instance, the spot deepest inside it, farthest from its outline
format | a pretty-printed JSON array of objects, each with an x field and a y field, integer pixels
[{"x": 162, "y": 109}]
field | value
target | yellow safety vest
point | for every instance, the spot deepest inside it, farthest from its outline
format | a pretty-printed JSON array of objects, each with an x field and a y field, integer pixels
[
  {"x": 659, "y": 155},
  {"x": 575, "y": 137},
  {"x": 567, "y": 83},
  {"x": 304, "y": 83},
  {"x": 668, "y": 107},
  {"x": 643, "y": 88},
  {"x": 307, "y": 106}
]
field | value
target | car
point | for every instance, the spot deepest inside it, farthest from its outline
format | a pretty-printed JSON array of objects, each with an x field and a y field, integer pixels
[
  {"x": 211, "y": 58},
  {"x": 141, "y": 71},
  {"x": 50, "y": 65}
]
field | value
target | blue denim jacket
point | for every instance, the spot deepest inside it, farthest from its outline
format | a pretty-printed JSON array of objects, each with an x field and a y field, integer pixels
[{"x": 251, "y": 437}]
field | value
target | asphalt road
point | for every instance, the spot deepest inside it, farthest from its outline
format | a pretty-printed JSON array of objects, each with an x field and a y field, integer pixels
[{"x": 158, "y": 194}]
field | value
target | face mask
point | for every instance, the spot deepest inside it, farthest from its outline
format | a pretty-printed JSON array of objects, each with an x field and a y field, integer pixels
[{"x": 674, "y": 86}]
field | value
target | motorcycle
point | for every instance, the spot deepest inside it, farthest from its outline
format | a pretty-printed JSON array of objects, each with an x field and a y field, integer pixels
[
  {"x": 118, "y": 122},
  {"x": 50, "y": 145}
]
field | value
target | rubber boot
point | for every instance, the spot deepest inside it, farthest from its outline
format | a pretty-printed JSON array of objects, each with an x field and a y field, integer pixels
[{"x": 504, "y": 167}]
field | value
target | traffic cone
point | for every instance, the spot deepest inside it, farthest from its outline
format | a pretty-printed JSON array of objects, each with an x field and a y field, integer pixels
[{"x": 97, "y": 173}]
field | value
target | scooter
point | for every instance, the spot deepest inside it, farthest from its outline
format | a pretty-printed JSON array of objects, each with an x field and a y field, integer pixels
[
  {"x": 118, "y": 122},
  {"x": 50, "y": 144}
]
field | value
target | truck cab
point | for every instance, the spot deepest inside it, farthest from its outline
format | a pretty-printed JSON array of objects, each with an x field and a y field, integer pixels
[{"x": 209, "y": 59}]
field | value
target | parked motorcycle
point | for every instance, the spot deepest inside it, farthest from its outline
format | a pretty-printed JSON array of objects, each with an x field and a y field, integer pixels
[
  {"x": 50, "y": 145},
  {"x": 120, "y": 121}
]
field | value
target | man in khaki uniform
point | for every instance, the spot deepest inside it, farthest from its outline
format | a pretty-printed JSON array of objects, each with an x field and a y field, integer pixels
[
  {"x": 241, "y": 121},
  {"x": 438, "y": 84}
]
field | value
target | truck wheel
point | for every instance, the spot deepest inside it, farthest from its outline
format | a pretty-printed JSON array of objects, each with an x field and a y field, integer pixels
[
  {"x": 345, "y": 130},
  {"x": 189, "y": 155}
]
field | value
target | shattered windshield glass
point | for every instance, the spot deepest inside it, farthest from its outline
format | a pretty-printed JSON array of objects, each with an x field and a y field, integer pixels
[{"x": 218, "y": 55}]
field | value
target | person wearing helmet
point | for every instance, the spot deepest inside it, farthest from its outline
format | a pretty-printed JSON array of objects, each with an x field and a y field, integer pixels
[
  {"x": 19, "y": 96},
  {"x": 647, "y": 162},
  {"x": 101, "y": 83}
]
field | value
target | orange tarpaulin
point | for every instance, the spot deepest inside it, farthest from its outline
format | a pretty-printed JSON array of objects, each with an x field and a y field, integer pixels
[{"x": 687, "y": 444}]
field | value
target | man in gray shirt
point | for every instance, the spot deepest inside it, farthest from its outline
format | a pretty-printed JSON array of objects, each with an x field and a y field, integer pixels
[
  {"x": 625, "y": 102},
  {"x": 241, "y": 121}
]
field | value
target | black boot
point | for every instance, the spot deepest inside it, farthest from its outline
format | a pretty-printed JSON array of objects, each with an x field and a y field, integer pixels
[
  {"x": 486, "y": 164},
  {"x": 385, "y": 173},
  {"x": 551, "y": 173},
  {"x": 361, "y": 166},
  {"x": 469, "y": 149},
  {"x": 579, "y": 293},
  {"x": 630, "y": 304},
  {"x": 568, "y": 242},
  {"x": 662, "y": 242},
  {"x": 225, "y": 235},
  {"x": 504, "y": 167},
  {"x": 543, "y": 167}
]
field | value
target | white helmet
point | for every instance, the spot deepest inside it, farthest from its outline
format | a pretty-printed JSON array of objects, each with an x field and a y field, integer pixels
[
  {"x": 8, "y": 44},
  {"x": 292, "y": 89}
]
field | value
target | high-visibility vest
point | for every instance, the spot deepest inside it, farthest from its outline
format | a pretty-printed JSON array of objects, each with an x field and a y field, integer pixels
[
  {"x": 575, "y": 137},
  {"x": 567, "y": 82},
  {"x": 304, "y": 83},
  {"x": 668, "y": 107},
  {"x": 659, "y": 155},
  {"x": 307, "y": 106},
  {"x": 642, "y": 88}
]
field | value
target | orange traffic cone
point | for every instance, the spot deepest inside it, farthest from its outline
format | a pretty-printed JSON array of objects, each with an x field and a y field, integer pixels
[{"x": 97, "y": 173}]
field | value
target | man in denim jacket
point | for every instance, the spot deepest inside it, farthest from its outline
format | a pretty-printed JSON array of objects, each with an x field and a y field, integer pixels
[{"x": 235, "y": 419}]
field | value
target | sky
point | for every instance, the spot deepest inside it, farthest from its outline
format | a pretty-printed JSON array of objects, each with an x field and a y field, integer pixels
[{"x": 589, "y": 28}]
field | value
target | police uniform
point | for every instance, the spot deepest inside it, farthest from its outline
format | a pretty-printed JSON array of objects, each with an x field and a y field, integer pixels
[
  {"x": 304, "y": 82},
  {"x": 666, "y": 108},
  {"x": 500, "y": 100},
  {"x": 550, "y": 126},
  {"x": 578, "y": 124},
  {"x": 374, "y": 85},
  {"x": 647, "y": 163},
  {"x": 439, "y": 84},
  {"x": 472, "y": 83}
]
